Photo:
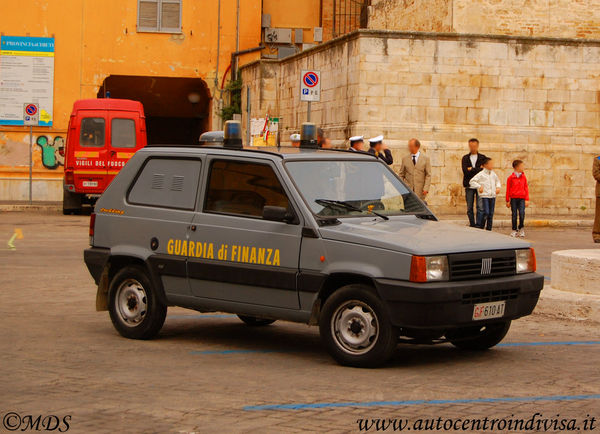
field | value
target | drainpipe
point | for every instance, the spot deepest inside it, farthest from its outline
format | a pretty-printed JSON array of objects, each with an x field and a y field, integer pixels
[
  {"x": 220, "y": 100},
  {"x": 237, "y": 34},
  {"x": 236, "y": 54}
]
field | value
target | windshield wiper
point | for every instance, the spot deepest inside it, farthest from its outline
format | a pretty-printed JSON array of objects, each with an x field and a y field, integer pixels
[{"x": 345, "y": 205}]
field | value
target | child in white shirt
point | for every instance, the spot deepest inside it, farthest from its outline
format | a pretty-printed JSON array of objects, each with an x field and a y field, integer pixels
[{"x": 488, "y": 184}]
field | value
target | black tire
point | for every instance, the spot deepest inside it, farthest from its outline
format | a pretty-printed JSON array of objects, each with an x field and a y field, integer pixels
[
  {"x": 72, "y": 203},
  {"x": 255, "y": 322},
  {"x": 372, "y": 342},
  {"x": 133, "y": 303},
  {"x": 478, "y": 338}
]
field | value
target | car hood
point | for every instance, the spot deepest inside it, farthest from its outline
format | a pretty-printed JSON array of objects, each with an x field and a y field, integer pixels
[{"x": 412, "y": 235}]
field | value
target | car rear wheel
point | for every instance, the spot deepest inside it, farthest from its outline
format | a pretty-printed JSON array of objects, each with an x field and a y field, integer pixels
[
  {"x": 255, "y": 322},
  {"x": 356, "y": 328},
  {"x": 134, "y": 307},
  {"x": 480, "y": 337}
]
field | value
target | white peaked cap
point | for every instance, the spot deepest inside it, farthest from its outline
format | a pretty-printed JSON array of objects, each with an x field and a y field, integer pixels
[
  {"x": 295, "y": 137},
  {"x": 356, "y": 138},
  {"x": 376, "y": 139}
]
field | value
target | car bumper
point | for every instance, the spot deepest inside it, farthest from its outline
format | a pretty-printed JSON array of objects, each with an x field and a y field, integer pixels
[
  {"x": 95, "y": 258},
  {"x": 442, "y": 305}
]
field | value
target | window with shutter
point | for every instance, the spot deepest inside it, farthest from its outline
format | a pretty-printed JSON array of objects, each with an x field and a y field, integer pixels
[{"x": 159, "y": 16}]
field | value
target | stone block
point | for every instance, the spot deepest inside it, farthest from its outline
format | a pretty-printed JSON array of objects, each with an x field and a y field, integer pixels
[
  {"x": 477, "y": 116},
  {"x": 576, "y": 271}
]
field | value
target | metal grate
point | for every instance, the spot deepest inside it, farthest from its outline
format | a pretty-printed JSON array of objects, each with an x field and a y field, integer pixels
[
  {"x": 177, "y": 183},
  {"x": 158, "y": 181},
  {"x": 482, "y": 265},
  {"x": 489, "y": 296},
  {"x": 349, "y": 15}
]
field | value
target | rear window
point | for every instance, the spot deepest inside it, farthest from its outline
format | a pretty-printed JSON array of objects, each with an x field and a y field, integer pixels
[
  {"x": 122, "y": 133},
  {"x": 167, "y": 183},
  {"x": 92, "y": 132}
]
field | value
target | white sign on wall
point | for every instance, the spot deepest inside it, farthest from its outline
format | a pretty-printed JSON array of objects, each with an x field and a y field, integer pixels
[{"x": 26, "y": 76}]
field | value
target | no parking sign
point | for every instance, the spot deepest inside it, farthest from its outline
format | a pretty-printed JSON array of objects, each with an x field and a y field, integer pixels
[
  {"x": 31, "y": 115},
  {"x": 310, "y": 85}
]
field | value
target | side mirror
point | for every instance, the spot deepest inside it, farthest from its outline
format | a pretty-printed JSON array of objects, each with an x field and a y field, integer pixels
[{"x": 277, "y": 214}]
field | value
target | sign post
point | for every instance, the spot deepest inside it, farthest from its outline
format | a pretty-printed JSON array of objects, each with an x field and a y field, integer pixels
[
  {"x": 310, "y": 88},
  {"x": 31, "y": 118}
]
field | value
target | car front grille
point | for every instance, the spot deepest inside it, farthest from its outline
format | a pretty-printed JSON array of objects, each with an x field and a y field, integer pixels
[
  {"x": 489, "y": 296},
  {"x": 482, "y": 265}
]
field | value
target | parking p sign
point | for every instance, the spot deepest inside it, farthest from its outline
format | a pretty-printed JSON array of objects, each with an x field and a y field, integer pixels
[
  {"x": 31, "y": 115},
  {"x": 310, "y": 85}
]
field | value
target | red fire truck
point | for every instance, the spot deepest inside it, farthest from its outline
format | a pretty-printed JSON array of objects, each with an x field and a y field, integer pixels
[{"x": 103, "y": 135}]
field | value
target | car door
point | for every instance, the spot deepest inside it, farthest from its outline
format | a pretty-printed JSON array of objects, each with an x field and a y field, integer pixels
[
  {"x": 123, "y": 140},
  {"x": 161, "y": 206},
  {"x": 90, "y": 151},
  {"x": 237, "y": 255}
]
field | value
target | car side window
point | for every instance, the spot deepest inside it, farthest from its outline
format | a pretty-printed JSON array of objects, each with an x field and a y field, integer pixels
[
  {"x": 167, "y": 182},
  {"x": 92, "y": 132},
  {"x": 122, "y": 133},
  {"x": 243, "y": 188}
]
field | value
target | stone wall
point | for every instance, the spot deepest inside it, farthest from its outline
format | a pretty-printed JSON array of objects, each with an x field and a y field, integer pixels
[
  {"x": 551, "y": 18},
  {"x": 527, "y": 98},
  {"x": 411, "y": 15}
]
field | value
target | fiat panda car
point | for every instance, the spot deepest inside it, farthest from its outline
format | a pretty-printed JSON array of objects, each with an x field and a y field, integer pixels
[{"x": 322, "y": 237}]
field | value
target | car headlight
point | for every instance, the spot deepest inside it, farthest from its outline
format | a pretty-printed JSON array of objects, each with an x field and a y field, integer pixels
[
  {"x": 429, "y": 269},
  {"x": 526, "y": 262}
]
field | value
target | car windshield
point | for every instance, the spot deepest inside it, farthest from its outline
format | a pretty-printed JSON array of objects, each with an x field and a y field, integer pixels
[{"x": 353, "y": 188}]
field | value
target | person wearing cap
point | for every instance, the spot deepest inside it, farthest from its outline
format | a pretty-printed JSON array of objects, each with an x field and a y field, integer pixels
[
  {"x": 356, "y": 143},
  {"x": 380, "y": 150},
  {"x": 295, "y": 139},
  {"x": 416, "y": 169}
]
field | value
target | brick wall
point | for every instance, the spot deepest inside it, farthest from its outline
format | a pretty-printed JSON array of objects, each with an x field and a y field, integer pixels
[
  {"x": 551, "y": 18},
  {"x": 527, "y": 98}
]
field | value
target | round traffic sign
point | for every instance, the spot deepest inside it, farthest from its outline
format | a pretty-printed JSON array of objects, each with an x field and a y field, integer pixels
[
  {"x": 31, "y": 109},
  {"x": 310, "y": 79}
]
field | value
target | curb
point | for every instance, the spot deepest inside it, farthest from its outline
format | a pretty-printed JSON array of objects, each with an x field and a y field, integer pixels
[
  {"x": 568, "y": 305},
  {"x": 26, "y": 207}
]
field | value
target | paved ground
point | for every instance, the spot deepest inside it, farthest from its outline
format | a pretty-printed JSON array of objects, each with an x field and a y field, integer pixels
[{"x": 210, "y": 373}]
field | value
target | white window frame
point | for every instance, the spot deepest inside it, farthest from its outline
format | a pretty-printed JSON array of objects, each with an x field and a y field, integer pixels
[{"x": 159, "y": 28}]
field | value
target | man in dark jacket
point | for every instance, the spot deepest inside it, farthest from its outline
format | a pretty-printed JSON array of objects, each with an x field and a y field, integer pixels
[
  {"x": 471, "y": 166},
  {"x": 380, "y": 150}
]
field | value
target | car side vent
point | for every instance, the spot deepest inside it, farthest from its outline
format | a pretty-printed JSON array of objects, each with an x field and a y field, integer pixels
[
  {"x": 158, "y": 181},
  {"x": 177, "y": 183}
]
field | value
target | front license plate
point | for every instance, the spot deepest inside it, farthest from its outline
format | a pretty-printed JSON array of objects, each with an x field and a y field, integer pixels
[
  {"x": 90, "y": 183},
  {"x": 489, "y": 310}
]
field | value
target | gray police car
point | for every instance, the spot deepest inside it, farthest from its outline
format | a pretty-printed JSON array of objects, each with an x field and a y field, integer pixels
[{"x": 323, "y": 237}]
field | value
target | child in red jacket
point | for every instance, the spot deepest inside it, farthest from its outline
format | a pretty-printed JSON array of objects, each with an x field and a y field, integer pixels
[{"x": 517, "y": 197}]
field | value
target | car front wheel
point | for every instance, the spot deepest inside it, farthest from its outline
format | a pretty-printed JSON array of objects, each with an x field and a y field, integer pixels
[
  {"x": 134, "y": 307},
  {"x": 356, "y": 328}
]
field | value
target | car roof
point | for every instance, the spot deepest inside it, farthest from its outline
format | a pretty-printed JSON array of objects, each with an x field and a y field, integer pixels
[{"x": 283, "y": 152}]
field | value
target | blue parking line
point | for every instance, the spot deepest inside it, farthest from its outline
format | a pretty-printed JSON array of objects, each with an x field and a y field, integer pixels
[
  {"x": 206, "y": 316},
  {"x": 507, "y": 344},
  {"x": 209, "y": 352},
  {"x": 541, "y": 344},
  {"x": 319, "y": 405}
]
